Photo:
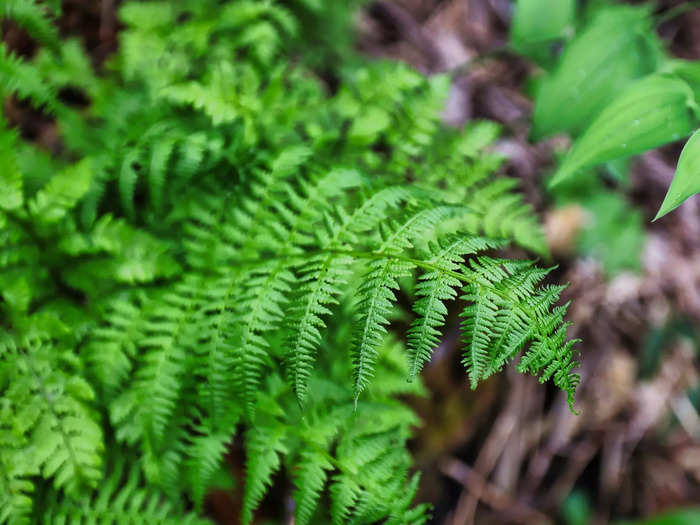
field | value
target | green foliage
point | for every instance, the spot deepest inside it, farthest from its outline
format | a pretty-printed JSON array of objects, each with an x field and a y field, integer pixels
[
  {"x": 615, "y": 90},
  {"x": 122, "y": 498},
  {"x": 686, "y": 182},
  {"x": 615, "y": 46},
  {"x": 357, "y": 453},
  {"x": 215, "y": 255},
  {"x": 532, "y": 34},
  {"x": 674, "y": 517},
  {"x": 612, "y": 219},
  {"x": 576, "y": 509},
  {"x": 651, "y": 112},
  {"x": 34, "y": 17},
  {"x": 608, "y": 219}
]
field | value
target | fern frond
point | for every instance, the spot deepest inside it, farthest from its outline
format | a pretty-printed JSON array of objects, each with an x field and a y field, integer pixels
[
  {"x": 375, "y": 302},
  {"x": 11, "y": 178},
  {"x": 127, "y": 180},
  {"x": 265, "y": 444},
  {"x": 161, "y": 153},
  {"x": 62, "y": 192},
  {"x": 215, "y": 323},
  {"x": 434, "y": 288},
  {"x": 168, "y": 335},
  {"x": 112, "y": 349},
  {"x": 204, "y": 458},
  {"x": 209, "y": 226},
  {"x": 48, "y": 411},
  {"x": 344, "y": 492},
  {"x": 216, "y": 98},
  {"x": 122, "y": 498},
  {"x": 477, "y": 327},
  {"x": 115, "y": 251},
  {"x": 258, "y": 309},
  {"x": 321, "y": 281},
  {"x": 16, "y": 487},
  {"x": 34, "y": 18},
  {"x": 367, "y": 216},
  {"x": 507, "y": 311},
  {"x": 417, "y": 515},
  {"x": 310, "y": 478},
  {"x": 24, "y": 81},
  {"x": 400, "y": 235}
]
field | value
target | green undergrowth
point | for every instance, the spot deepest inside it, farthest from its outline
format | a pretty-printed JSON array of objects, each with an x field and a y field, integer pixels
[{"x": 213, "y": 254}]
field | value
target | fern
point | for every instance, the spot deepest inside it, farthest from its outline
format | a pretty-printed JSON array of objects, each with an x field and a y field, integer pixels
[
  {"x": 215, "y": 254},
  {"x": 48, "y": 422},
  {"x": 34, "y": 17},
  {"x": 434, "y": 289},
  {"x": 122, "y": 498}
]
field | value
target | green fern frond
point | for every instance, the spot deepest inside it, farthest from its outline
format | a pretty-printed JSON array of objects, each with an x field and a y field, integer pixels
[
  {"x": 24, "y": 81},
  {"x": 34, "y": 17},
  {"x": 265, "y": 444},
  {"x": 479, "y": 321},
  {"x": 161, "y": 153},
  {"x": 215, "y": 322},
  {"x": 115, "y": 251},
  {"x": 11, "y": 178},
  {"x": 258, "y": 309},
  {"x": 374, "y": 306},
  {"x": 507, "y": 311},
  {"x": 122, "y": 498},
  {"x": 167, "y": 336},
  {"x": 434, "y": 288},
  {"x": 111, "y": 351},
  {"x": 62, "y": 192},
  {"x": 321, "y": 282},
  {"x": 47, "y": 408},
  {"x": 310, "y": 479},
  {"x": 204, "y": 457},
  {"x": 16, "y": 470}
]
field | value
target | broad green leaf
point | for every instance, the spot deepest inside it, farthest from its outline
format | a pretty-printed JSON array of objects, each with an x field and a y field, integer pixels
[
  {"x": 537, "y": 23},
  {"x": 686, "y": 181},
  {"x": 688, "y": 70},
  {"x": 653, "y": 111},
  {"x": 616, "y": 47}
]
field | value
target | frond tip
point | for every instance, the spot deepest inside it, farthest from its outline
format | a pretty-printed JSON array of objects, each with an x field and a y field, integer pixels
[{"x": 507, "y": 311}]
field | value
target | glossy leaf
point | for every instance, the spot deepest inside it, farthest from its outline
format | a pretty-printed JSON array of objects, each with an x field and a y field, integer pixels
[
  {"x": 651, "y": 112},
  {"x": 686, "y": 181},
  {"x": 614, "y": 49},
  {"x": 688, "y": 70}
]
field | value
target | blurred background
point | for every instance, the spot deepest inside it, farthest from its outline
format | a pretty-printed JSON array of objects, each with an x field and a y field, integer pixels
[{"x": 512, "y": 452}]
